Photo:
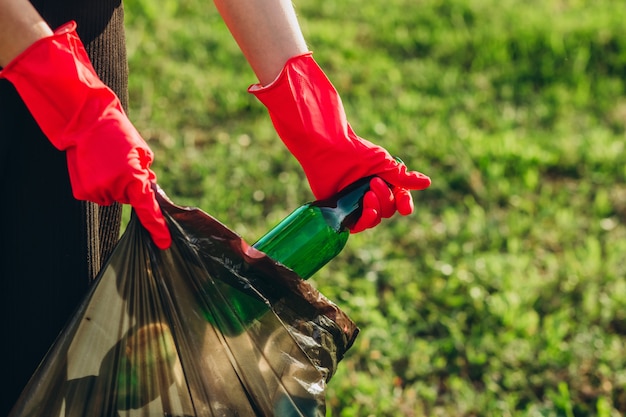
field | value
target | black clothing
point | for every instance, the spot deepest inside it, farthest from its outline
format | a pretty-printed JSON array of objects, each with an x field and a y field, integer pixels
[{"x": 51, "y": 245}]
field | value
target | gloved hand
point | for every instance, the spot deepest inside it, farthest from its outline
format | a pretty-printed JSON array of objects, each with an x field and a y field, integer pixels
[
  {"x": 107, "y": 159},
  {"x": 308, "y": 115}
]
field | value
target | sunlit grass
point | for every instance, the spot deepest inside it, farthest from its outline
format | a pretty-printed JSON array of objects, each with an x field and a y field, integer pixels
[{"x": 504, "y": 293}]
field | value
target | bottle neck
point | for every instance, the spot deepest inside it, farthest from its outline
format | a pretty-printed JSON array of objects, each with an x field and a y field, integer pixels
[{"x": 342, "y": 210}]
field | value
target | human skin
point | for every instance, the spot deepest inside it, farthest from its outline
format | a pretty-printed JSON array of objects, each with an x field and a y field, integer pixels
[
  {"x": 268, "y": 34},
  {"x": 267, "y": 31},
  {"x": 20, "y": 26}
]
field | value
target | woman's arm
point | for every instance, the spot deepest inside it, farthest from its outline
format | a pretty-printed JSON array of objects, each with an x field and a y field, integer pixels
[
  {"x": 20, "y": 26},
  {"x": 267, "y": 32},
  {"x": 308, "y": 114},
  {"x": 107, "y": 159}
]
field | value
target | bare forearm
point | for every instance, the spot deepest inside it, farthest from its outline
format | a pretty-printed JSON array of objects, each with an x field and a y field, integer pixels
[
  {"x": 20, "y": 26},
  {"x": 267, "y": 32}
]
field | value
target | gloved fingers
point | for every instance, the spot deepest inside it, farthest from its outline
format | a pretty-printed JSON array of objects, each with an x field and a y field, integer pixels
[
  {"x": 370, "y": 216},
  {"x": 404, "y": 200},
  {"x": 141, "y": 197},
  {"x": 385, "y": 197},
  {"x": 380, "y": 202},
  {"x": 400, "y": 176}
]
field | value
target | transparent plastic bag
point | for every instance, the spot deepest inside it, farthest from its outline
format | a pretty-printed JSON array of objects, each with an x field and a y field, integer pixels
[{"x": 157, "y": 335}]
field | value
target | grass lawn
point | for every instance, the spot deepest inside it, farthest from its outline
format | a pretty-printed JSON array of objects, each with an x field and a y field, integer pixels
[{"x": 504, "y": 293}]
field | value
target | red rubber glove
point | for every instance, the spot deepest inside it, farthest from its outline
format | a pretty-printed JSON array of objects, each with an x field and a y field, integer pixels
[
  {"x": 308, "y": 115},
  {"x": 107, "y": 159}
]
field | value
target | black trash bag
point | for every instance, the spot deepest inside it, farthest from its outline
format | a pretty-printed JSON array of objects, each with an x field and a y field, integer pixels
[{"x": 160, "y": 335}]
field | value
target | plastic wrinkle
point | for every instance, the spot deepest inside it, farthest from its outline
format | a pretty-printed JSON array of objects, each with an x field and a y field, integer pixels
[{"x": 159, "y": 335}]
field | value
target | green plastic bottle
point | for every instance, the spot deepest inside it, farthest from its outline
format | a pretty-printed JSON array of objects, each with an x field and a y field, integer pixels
[{"x": 304, "y": 241}]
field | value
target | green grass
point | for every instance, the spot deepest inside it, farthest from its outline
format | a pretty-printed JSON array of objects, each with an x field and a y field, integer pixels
[{"x": 504, "y": 293}]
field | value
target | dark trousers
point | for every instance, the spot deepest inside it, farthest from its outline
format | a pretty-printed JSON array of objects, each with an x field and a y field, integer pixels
[
  {"x": 51, "y": 245},
  {"x": 43, "y": 259}
]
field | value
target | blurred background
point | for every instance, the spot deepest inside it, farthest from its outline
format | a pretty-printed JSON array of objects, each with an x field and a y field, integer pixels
[{"x": 504, "y": 293}]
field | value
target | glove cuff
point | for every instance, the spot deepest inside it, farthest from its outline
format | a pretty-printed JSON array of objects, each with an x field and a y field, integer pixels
[
  {"x": 309, "y": 117},
  {"x": 55, "y": 79},
  {"x": 302, "y": 102},
  {"x": 257, "y": 89}
]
